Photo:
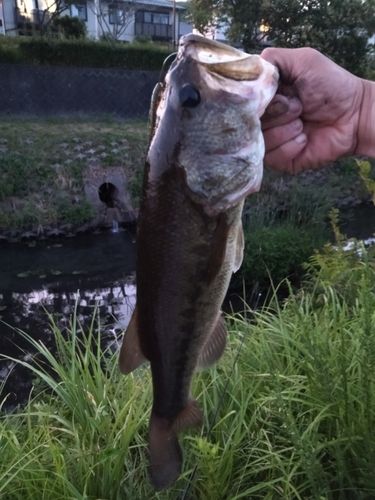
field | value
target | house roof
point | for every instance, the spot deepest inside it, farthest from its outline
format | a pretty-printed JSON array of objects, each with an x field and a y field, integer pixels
[{"x": 162, "y": 3}]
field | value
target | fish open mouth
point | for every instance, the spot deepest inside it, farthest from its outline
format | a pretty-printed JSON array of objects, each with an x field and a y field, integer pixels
[{"x": 221, "y": 59}]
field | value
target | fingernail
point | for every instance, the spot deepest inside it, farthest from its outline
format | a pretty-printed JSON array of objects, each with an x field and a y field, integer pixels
[
  {"x": 276, "y": 108},
  {"x": 294, "y": 105},
  {"x": 301, "y": 139}
]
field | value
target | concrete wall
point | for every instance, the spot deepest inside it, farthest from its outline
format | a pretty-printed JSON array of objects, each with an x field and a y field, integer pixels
[{"x": 48, "y": 90}]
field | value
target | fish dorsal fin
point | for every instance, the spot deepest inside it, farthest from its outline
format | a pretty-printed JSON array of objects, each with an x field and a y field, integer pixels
[
  {"x": 240, "y": 245},
  {"x": 214, "y": 346},
  {"x": 131, "y": 355}
]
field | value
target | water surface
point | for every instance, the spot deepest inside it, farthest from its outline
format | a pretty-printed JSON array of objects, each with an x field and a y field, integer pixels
[{"x": 88, "y": 273}]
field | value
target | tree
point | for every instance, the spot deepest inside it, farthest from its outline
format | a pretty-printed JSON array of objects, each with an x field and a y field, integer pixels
[
  {"x": 114, "y": 17},
  {"x": 339, "y": 28},
  {"x": 243, "y": 18},
  {"x": 204, "y": 14}
]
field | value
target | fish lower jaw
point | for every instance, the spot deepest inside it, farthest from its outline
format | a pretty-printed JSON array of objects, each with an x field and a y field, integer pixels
[{"x": 232, "y": 199}]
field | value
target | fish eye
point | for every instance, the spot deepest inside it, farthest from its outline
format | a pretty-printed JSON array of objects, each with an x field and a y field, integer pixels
[{"x": 189, "y": 96}]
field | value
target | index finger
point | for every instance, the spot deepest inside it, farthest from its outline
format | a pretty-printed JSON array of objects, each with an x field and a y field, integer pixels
[{"x": 281, "y": 110}]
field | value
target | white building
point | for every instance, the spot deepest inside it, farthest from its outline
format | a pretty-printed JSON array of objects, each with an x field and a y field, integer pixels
[
  {"x": 123, "y": 19},
  {"x": 7, "y": 17}
]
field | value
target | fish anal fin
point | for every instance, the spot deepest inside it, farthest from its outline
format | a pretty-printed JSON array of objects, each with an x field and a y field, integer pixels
[
  {"x": 131, "y": 355},
  {"x": 214, "y": 346},
  {"x": 190, "y": 416},
  {"x": 240, "y": 245}
]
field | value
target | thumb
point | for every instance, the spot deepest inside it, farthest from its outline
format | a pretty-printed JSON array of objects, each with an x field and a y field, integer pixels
[{"x": 286, "y": 60}]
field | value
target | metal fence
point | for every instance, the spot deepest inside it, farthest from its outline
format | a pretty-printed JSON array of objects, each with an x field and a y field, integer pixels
[{"x": 48, "y": 90}]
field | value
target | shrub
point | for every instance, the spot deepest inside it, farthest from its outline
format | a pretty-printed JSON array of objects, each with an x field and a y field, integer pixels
[
  {"x": 83, "y": 53},
  {"x": 70, "y": 27},
  {"x": 277, "y": 252},
  {"x": 75, "y": 214},
  {"x": 15, "y": 171}
]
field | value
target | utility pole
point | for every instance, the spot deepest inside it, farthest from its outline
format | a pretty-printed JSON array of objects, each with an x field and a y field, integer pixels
[{"x": 174, "y": 38}]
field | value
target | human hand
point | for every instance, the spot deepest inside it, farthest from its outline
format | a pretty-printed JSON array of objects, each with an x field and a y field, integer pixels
[{"x": 314, "y": 117}]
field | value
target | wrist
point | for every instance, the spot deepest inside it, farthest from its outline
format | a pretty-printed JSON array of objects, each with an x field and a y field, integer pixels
[{"x": 366, "y": 122}]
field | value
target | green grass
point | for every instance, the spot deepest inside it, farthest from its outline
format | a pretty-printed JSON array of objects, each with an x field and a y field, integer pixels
[
  {"x": 289, "y": 410},
  {"x": 43, "y": 163},
  {"x": 288, "y": 220},
  {"x": 279, "y": 251}
]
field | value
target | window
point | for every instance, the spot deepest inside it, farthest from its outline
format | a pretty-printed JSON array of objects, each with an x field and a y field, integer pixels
[
  {"x": 153, "y": 24},
  {"x": 117, "y": 15},
  {"x": 152, "y": 17},
  {"x": 158, "y": 18},
  {"x": 79, "y": 10}
]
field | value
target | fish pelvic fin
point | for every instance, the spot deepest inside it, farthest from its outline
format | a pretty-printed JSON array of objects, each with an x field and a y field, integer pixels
[
  {"x": 164, "y": 449},
  {"x": 190, "y": 416},
  {"x": 214, "y": 346},
  {"x": 131, "y": 355}
]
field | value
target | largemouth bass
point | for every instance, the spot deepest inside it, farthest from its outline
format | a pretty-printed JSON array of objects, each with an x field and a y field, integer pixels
[{"x": 205, "y": 156}]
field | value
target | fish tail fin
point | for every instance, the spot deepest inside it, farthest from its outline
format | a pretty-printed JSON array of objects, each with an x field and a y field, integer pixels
[
  {"x": 165, "y": 453},
  {"x": 164, "y": 449}
]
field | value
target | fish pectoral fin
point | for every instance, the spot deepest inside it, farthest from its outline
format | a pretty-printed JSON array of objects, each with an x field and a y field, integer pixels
[
  {"x": 214, "y": 346},
  {"x": 131, "y": 355},
  {"x": 218, "y": 248},
  {"x": 240, "y": 245}
]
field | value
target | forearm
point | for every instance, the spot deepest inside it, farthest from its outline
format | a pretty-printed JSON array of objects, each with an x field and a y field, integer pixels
[{"x": 366, "y": 128}]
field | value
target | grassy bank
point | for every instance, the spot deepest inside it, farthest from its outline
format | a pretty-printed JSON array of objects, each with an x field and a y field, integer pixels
[
  {"x": 289, "y": 410},
  {"x": 43, "y": 162}
]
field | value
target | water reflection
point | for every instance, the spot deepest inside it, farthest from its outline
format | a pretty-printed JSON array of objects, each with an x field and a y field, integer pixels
[{"x": 85, "y": 275}]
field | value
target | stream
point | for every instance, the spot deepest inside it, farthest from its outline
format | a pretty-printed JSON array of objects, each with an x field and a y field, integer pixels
[{"x": 92, "y": 272}]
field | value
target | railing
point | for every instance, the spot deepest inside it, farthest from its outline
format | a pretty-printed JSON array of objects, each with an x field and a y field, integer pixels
[{"x": 154, "y": 31}]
